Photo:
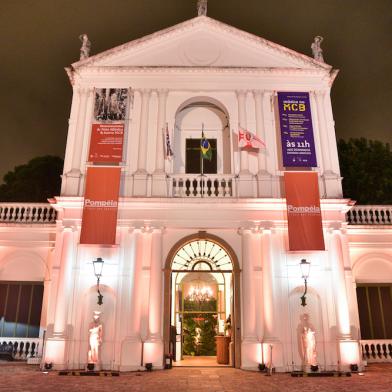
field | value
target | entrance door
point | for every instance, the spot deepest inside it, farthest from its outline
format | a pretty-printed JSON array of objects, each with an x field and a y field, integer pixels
[{"x": 202, "y": 306}]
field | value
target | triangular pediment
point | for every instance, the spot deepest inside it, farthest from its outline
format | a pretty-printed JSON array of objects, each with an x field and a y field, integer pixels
[{"x": 201, "y": 42}]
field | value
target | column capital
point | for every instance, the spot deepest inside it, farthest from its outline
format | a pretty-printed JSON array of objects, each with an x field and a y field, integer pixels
[
  {"x": 145, "y": 91},
  {"x": 319, "y": 93},
  {"x": 251, "y": 228},
  {"x": 335, "y": 227},
  {"x": 241, "y": 93},
  {"x": 69, "y": 228},
  {"x": 258, "y": 93},
  {"x": 162, "y": 91}
]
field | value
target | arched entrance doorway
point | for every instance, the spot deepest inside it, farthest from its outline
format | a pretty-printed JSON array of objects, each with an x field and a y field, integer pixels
[{"x": 202, "y": 301}]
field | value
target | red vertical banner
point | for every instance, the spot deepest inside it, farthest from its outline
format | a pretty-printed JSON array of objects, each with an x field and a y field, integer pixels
[
  {"x": 99, "y": 220},
  {"x": 303, "y": 211}
]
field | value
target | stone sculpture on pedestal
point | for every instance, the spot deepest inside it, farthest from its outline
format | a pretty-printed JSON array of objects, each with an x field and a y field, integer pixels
[
  {"x": 316, "y": 48},
  {"x": 308, "y": 340},
  {"x": 86, "y": 46},
  {"x": 94, "y": 338}
]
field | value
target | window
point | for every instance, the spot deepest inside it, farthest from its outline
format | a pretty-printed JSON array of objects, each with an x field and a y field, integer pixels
[
  {"x": 20, "y": 309},
  {"x": 193, "y": 157},
  {"x": 374, "y": 307}
]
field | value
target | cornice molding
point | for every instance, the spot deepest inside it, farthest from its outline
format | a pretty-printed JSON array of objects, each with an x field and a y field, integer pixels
[{"x": 200, "y": 70}]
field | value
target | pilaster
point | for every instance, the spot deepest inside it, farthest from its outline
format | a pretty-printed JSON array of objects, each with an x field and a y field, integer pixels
[{"x": 140, "y": 177}]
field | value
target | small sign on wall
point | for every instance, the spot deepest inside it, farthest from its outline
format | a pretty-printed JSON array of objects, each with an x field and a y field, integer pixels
[{"x": 106, "y": 143}]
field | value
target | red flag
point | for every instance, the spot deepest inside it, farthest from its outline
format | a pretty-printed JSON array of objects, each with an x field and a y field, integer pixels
[
  {"x": 99, "y": 220},
  {"x": 303, "y": 211},
  {"x": 247, "y": 139}
]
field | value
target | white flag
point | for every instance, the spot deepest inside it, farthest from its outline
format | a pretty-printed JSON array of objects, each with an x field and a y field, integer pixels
[{"x": 249, "y": 139}]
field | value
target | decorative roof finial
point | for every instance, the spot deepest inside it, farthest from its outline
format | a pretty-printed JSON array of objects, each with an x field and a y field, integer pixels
[
  {"x": 201, "y": 7},
  {"x": 316, "y": 48},
  {"x": 86, "y": 46}
]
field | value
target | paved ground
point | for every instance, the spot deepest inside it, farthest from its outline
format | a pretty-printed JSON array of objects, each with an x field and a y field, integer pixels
[{"x": 17, "y": 377}]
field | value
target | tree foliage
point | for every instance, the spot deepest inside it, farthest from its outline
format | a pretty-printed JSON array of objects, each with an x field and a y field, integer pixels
[
  {"x": 35, "y": 181},
  {"x": 366, "y": 168}
]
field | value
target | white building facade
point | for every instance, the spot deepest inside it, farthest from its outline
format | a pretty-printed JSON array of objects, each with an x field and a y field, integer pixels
[{"x": 198, "y": 74}]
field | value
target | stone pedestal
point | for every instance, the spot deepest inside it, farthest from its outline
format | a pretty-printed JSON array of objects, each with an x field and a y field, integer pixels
[
  {"x": 333, "y": 185},
  {"x": 264, "y": 184},
  {"x": 159, "y": 185},
  {"x": 349, "y": 352},
  {"x": 71, "y": 183},
  {"x": 153, "y": 353},
  {"x": 131, "y": 355},
  {"x": 140, "y": 184},
  {"x": 55, "y": 349},
  {"x": 245, "y": 185}
]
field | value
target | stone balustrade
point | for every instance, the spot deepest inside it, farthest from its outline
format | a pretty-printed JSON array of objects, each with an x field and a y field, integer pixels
[
  {"x": 370, "y": 215},
  {"x": 196, "y": 185},
  {"x": 378, "y": 350},
  {"x": 24, "y": 348},
  {"x": 27, "y": 213}
]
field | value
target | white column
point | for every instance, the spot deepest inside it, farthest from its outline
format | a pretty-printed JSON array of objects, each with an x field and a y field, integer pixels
[
  {"x": 241, "y": 99},
  {"x": 71, "y": 180},
  {"x": 264, "y": 178},
  {"x": 250, "y": 347},
  {"x": 348, "y": 348},
  {"x": 131, "y": 347},
  {"x": 249, "y": 298},
  {"x": 135, "y": 305},
  {"x": 64, "y": 282},
  {"x": 72, "y": 131},
  {"x": 269, "y": 314},
  {"x": 143, "y": 130},
  {"x": 331, "y": 132},
  {"x": 55, "y": 348},
  {"x": 80, "y": 125},
  {"x": 154, "y": 343},
  {"x": 260, "y": 130},
  {"x": 246, "y": 181},
  {"x": 271, "y": 142},
  {"x": 337, "y": 265},
  {"x": 323, "y": 131},
  {"x": 155, "y": 303},
  {"x": 140, "y": 176}
]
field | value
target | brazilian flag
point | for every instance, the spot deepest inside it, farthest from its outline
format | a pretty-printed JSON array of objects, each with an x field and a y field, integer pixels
[{"x": 205, "y": 147}]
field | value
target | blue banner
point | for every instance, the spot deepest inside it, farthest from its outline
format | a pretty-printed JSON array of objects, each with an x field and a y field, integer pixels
[{"x": 296, "y": 130}]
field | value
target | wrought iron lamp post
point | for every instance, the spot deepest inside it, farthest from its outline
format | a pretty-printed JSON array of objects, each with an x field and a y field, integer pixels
[
  {"x": 305, "y": 269},
  {"x": 98, "y": 265}
]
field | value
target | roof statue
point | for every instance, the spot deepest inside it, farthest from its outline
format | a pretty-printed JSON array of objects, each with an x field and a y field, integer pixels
[
  {"x": 201, "y": 7},
  {"x": 316, "y": 48},
  {"x": 85, "y": 48}
]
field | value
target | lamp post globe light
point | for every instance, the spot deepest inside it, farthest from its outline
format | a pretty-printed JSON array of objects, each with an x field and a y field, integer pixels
[
  {"x": 305, "y": 269},
  {"x": 98, "y": 266}
]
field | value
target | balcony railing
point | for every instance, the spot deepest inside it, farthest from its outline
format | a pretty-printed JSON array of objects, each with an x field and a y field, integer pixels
[
  {"x": 370, "y": 215},
  {"x": 198, "y": 186},
  {"x": 24, "y": 348},
  {"x": 379, "y": 350},
  {"x": 27, "y": 213}
]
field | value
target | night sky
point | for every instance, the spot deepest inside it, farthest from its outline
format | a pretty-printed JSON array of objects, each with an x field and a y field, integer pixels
[{"x": 40, "y": 37}]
